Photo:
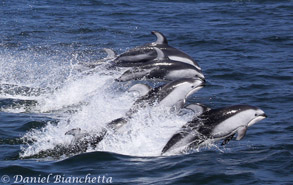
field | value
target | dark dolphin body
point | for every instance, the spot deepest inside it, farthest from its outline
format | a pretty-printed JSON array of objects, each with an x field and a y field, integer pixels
[
  {"x": 161, "y": 68},
  {"x": 82, "y": 142},
  {"x": 214, "y": 124},
  {"x": 141, "y": 55}
]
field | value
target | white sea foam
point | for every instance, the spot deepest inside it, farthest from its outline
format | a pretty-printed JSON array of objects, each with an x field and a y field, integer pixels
[{"x": 95, "y": 98}]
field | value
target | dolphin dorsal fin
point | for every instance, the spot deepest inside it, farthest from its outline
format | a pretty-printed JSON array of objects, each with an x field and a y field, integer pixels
[
  {"x": 241, "y": 133},
  {"x": 142, "y": 89},
  {"x": 161, "y": 39},
  {"x": 160, "y": 54},
  {"x": 110, "y": 53}
]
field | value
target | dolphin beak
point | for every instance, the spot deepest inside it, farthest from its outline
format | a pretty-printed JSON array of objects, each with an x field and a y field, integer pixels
[
  {"x": 203, "y": 82},
  {"x": 264, "y": 115}
]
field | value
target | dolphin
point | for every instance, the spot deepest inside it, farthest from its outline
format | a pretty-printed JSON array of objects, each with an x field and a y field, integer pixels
[
  {"x": 171, "y": 94},
  {"x": 162, "y": 67},
  {"x": 81, "y": 143},
  {"x": 141, "y": 55},
  {"x": 168, "y": 95},
  {"x": 214, "y": 125}
]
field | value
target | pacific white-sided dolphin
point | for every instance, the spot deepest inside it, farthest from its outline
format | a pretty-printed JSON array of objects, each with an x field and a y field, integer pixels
[
  {"x": 161, "y": 68},
  {"x": 81, "y": 143},
  {"x": 141, "y": 55},
  {"x": 214, "y": 125},
  {"x": 171, "y": 94}
]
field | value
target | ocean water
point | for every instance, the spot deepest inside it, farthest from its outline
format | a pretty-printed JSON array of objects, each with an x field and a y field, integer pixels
[{"x": 245, "y": 49}]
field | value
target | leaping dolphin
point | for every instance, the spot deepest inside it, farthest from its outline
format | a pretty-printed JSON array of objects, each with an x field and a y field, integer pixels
[
  {"x": 141, "y": 55},
  {"x": 214, "y": 125},
  {"x": 161, "y": 68},
  {"x": 171, "y": 94}
]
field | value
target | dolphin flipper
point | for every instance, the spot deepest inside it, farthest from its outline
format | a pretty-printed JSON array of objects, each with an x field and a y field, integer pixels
[
  {"x": 227, "y": 139},
  {"x": 241, "y": 133}
]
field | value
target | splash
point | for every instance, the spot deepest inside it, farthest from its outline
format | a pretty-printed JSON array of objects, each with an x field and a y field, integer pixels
[{"x": 85, "y": 98}]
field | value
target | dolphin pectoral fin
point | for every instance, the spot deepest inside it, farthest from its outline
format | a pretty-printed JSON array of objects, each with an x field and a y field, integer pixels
[
  {"x": 142, "y": 89},
  {"x": 161, "y": 39},
  {"x": 134, "y": 74},
  {"x": 227, "y": 139},
  {"x": 241, "y": 133},
  {"x": 110, "y": 53}
]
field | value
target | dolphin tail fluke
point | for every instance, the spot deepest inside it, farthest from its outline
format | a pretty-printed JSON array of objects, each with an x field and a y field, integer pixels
[{"x": 161, "y": 39}]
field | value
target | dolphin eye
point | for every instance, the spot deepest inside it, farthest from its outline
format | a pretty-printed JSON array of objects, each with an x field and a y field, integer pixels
[
  {"x": 255, "y": 114},
  {"x": 193, "y": 87}
]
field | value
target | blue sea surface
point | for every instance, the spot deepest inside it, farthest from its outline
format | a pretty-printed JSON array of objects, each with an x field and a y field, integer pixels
[{"x": 245, "y": 49}]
